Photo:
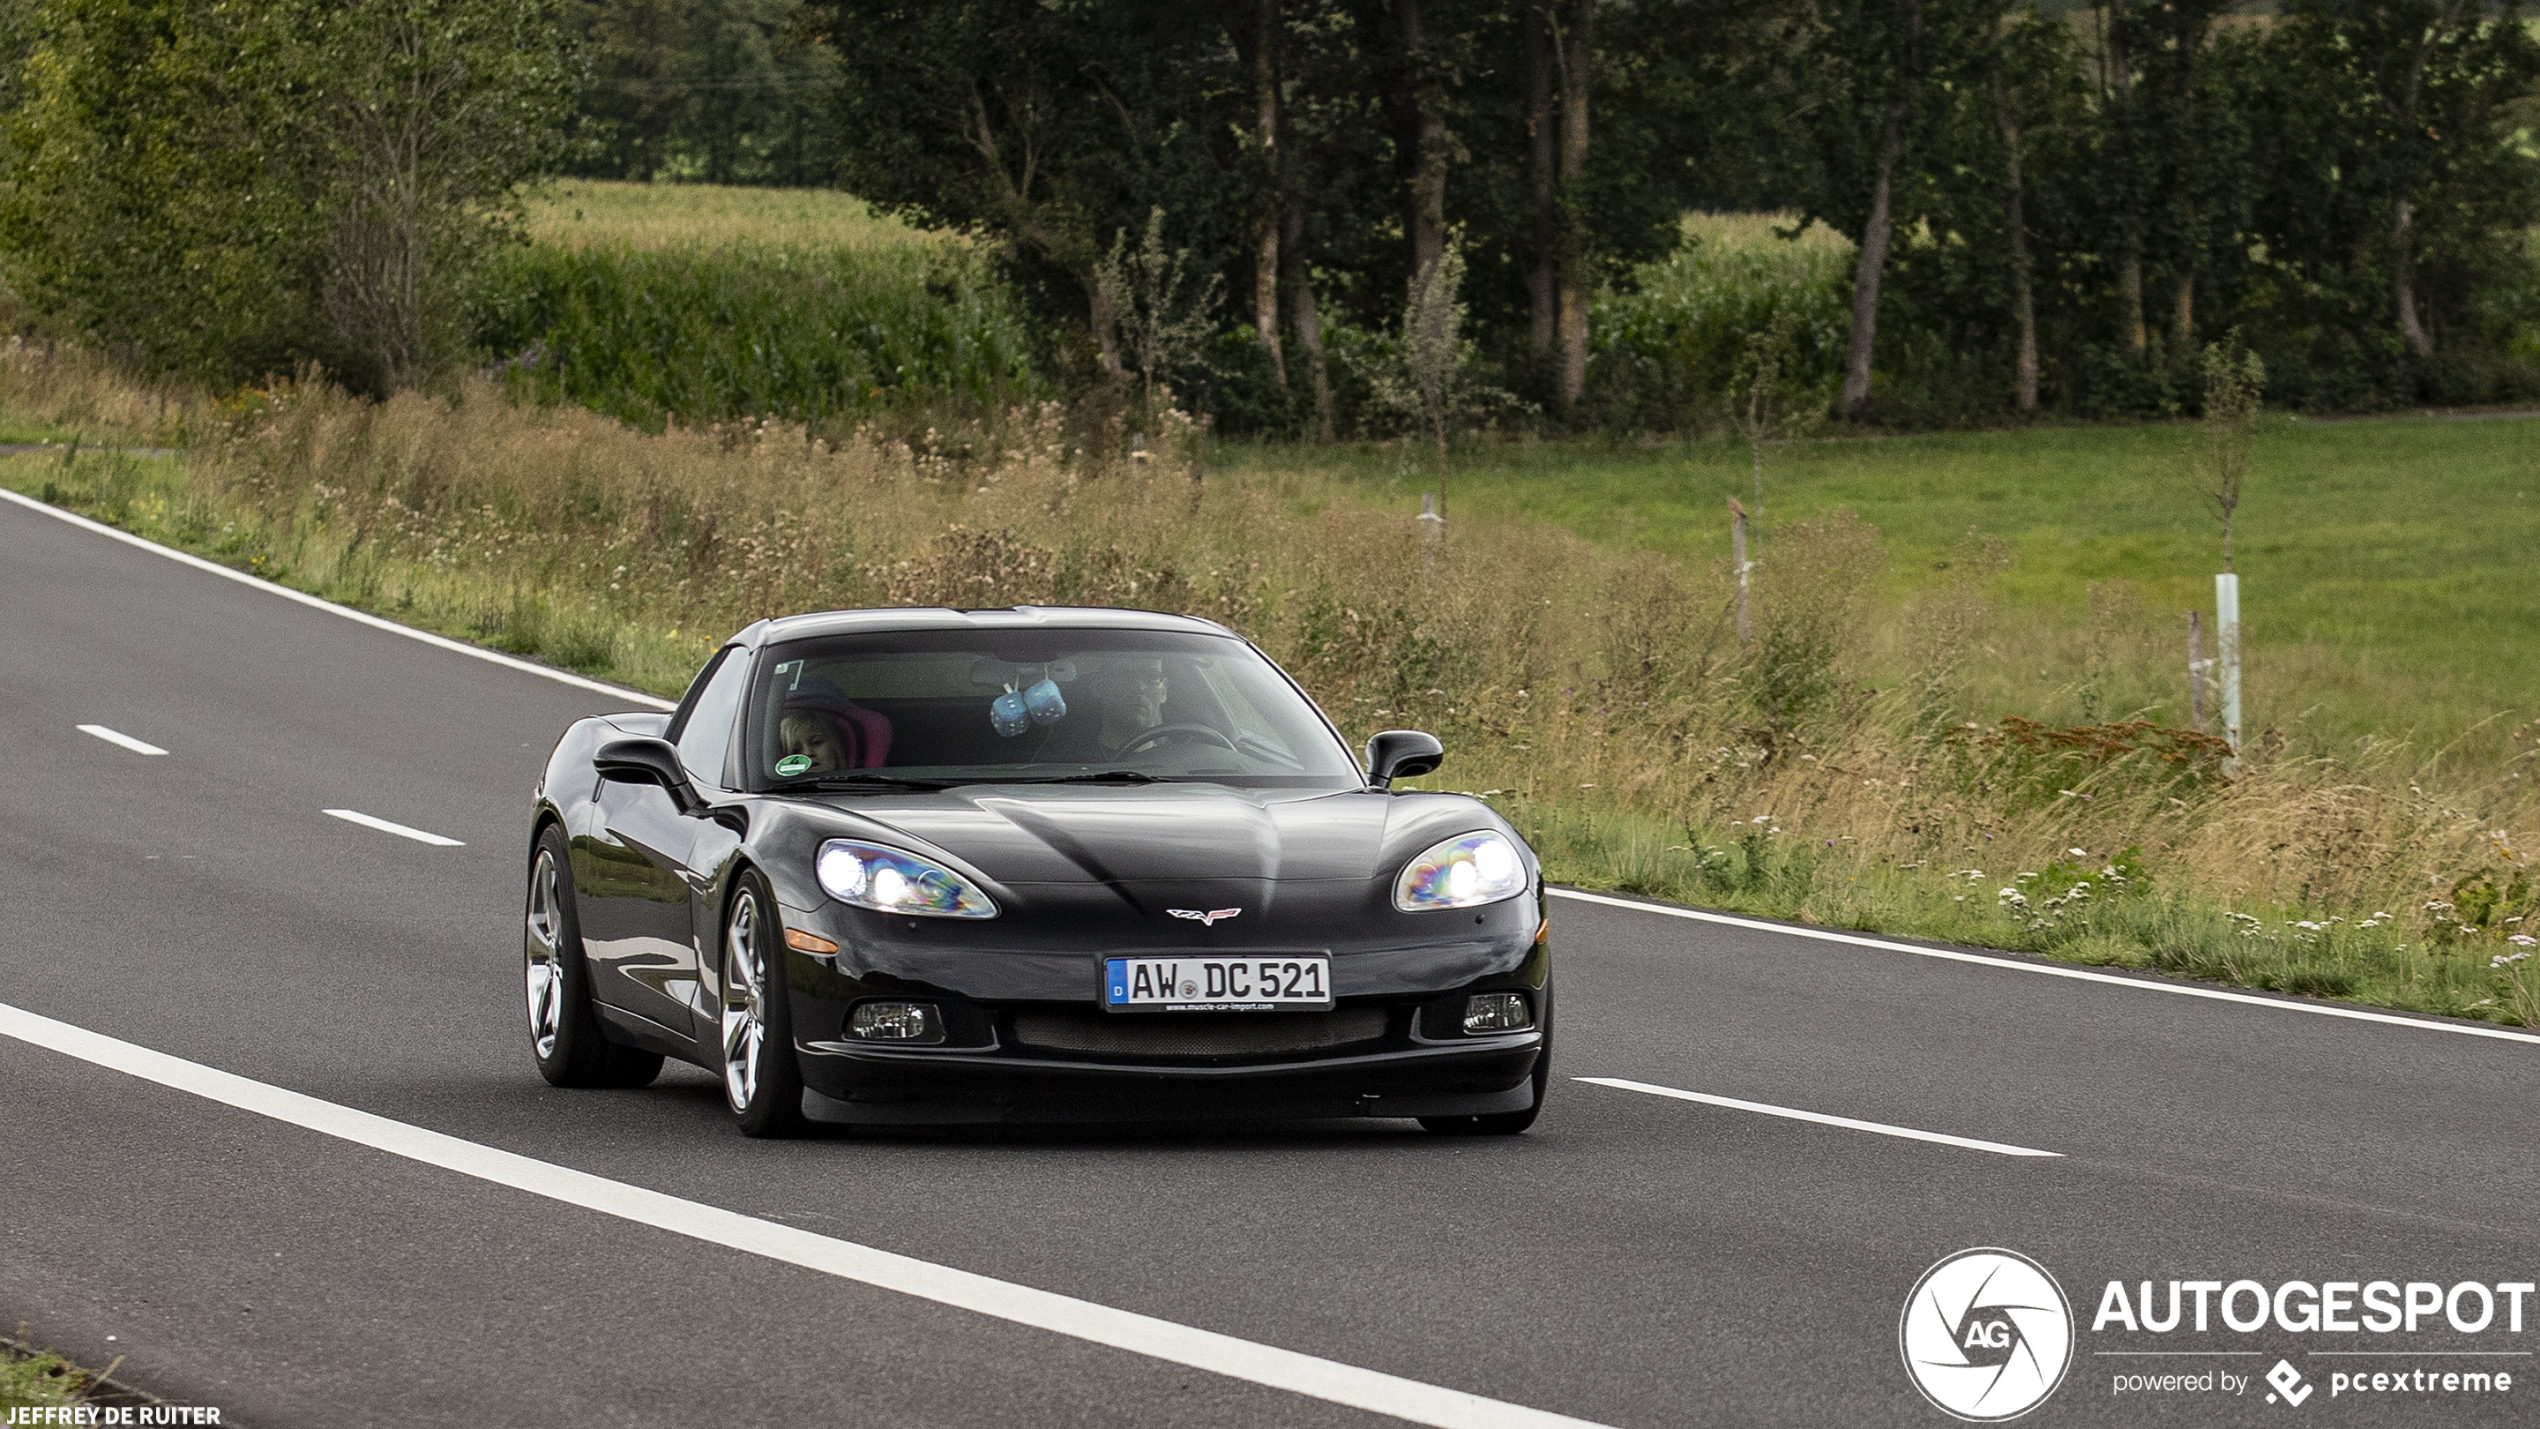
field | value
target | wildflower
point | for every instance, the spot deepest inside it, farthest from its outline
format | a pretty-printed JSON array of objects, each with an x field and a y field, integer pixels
[
  {"x": 2078, "y": 852},
  {"x": 2506, "y": 960},
  {"x": 2523, "y": 940}
]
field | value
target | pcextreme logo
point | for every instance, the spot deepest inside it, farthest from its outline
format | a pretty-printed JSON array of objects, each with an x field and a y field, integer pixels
[{"x": 1987, "y": 1334}]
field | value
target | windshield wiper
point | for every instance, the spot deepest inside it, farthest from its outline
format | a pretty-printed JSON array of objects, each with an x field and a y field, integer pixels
[
  {"x": 845, "y": 782},
  {"x": 1116, "y": 776}
]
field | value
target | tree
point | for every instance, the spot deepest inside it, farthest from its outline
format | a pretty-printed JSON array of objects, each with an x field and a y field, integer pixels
[
  {"x": 717, "y": 90},
  {"x": 233, "y": 189},
  {"x": 412, "y": 122},
  {"x": 1873, "y": 55},
  {"x": 1429, "y": 382},
  {"x": 1164, "y": 319},
  {"x": 2235, "y": 384},
  {"x": 1050, "y": 126}
]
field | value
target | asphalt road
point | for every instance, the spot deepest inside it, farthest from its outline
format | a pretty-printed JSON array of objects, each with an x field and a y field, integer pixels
[{"x": 1636, "y": 1260}]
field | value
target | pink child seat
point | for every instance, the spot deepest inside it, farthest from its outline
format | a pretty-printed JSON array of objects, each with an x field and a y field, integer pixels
[{"x": 864, "y": 735}]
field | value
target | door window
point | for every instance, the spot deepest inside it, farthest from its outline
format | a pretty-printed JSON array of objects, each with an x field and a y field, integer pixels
[{"x": 708, "y": 735}]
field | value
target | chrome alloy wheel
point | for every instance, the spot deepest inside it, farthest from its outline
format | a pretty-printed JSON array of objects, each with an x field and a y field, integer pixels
[
  {"x": 544, "y": 973},
  {"x": 744, "y": 1000}
]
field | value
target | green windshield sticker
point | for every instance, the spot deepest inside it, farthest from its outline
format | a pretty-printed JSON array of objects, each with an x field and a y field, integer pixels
[{"x": 793, "y": 764}]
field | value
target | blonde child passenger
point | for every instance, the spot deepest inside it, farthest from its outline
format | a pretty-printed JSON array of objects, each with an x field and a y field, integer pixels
[{"x": 810, "y": 734}]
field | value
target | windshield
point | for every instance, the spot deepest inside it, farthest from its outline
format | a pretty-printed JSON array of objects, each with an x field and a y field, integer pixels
[{"x": 976, "y": 706}]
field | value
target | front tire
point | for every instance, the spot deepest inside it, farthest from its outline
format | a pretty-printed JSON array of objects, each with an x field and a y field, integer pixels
[
  {"x": 762, "y": 1081},
  {"x": 564, "y": 1034}
]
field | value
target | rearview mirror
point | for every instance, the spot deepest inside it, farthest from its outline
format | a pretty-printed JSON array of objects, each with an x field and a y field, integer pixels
[
  {"x": 1402, "y": 754},
  {"x": 646, "y": 760}
]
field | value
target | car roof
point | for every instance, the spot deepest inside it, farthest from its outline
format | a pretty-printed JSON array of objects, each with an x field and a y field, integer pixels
[{"x": 1020, "y": 617}]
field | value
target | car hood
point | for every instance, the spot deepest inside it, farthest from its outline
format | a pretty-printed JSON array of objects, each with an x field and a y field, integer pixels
[{"x": 1150, "y": 833}]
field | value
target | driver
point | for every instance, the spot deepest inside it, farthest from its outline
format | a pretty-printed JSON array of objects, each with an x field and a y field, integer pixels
[{"x": 1136, "y": 703}]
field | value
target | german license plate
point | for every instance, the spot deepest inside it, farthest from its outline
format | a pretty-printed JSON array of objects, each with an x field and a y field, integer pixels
[{"x": 1246, "y": 983}]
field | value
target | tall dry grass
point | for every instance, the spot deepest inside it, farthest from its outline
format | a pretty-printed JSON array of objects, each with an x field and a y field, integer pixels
[{"x": 1602, "y": 696}]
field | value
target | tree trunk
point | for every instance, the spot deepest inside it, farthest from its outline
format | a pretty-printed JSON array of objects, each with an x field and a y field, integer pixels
[
  {"x": 2120, "y": 75},
  {"x": 2402, "y": 289},
  {"x": 1875, "y": 233},
  {"x": 1419, "y": 130},
  {"x": 1309, "y": 322},
  {"x": 2023, "y": 303},
  {"x": 1541, "y": 170},
  {"x": 2183, "y": 320},
  {"x": 1865, "y": 280},
  {"x": 2403, "y": 293},
  {"x": 1106, "y": 325},
  {"x": 1577, "y": 57},
  {"x": 1266, "y": 124}
]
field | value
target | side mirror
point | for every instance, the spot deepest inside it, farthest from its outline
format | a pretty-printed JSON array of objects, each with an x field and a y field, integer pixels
[
  {"x": 1402, "y": 754},
  {"x": 646, "y": 760}
]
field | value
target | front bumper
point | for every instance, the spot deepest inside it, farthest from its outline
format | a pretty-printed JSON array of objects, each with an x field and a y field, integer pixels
[
  {"x": 874, "y": 1086},
  {"x": 1026, "y": 1041}
]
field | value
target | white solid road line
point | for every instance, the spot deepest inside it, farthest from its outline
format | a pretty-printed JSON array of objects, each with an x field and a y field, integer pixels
[
  {"x": 352, "y": 816},
  {"x": 1199, "y": 1349},
  {"x": 1824, "y": 935},
  {"x": 1820, "y": 1118},
  {"x": 365, "y": 617},
  {"x": 116, "y": 736}
]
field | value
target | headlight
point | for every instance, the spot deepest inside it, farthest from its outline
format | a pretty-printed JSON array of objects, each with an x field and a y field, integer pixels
[
  {"x": 1464, "y": 872},
  {"x": 889, "y": 881}
]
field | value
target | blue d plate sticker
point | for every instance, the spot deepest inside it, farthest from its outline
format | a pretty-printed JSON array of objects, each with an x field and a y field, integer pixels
[
  {"x": 1115, "y": 977},
  {"x": 793, "y": 764}
]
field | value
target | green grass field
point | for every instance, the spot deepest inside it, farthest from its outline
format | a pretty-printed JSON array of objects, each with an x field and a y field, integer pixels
[
  {"x": 590, "y": 213},
  {"x": 2388, "y": 568}
]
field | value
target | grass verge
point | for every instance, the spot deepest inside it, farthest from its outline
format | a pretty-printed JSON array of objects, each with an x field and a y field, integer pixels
[{"x": 40, "y": 1379}]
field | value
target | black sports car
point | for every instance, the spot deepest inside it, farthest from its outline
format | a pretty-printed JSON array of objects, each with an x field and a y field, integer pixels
[{"x": 1033, "y": 864}]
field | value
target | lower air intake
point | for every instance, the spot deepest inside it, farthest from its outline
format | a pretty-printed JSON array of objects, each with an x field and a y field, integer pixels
[{"x": 1197, "y": 1034}]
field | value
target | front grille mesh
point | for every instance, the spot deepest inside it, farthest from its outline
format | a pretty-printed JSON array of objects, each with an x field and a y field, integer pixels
[{"x": 1197, "y": 1034}]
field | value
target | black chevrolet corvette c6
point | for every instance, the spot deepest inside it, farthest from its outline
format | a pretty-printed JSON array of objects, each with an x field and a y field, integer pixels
[{"x": 1034, "y": 864}]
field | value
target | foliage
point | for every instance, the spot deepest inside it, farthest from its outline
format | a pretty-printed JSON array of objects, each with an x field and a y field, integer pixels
[
  {"x": 39, "y": 1381},
  {"x": 829, "y": 335},
  {"x": 1162, "y": 326},
  {"x": 712, "y": 91},
  {"x": 236, "y": 189},
  {"x": 2235, "y": 383}
]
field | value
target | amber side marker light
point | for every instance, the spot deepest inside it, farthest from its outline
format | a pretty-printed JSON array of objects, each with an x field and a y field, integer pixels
[{"x": 803, "y": 942}]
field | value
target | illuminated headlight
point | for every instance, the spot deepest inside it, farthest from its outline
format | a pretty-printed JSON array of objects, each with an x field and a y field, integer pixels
[
  {"x": 1464, "y": 872},
  {"x": 889, "y": 881}
]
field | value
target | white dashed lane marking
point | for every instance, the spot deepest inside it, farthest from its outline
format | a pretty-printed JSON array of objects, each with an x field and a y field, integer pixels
[
  {"x": 402, "y": 831},
  {"x": 1820, "y": 1118},
  {"x": 118, "y": 737}
]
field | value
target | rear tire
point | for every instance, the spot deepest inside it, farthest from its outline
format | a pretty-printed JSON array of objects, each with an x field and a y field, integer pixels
[
  {"x": 564, "y": 1034},
  {"x": 762, "y": 1080}
]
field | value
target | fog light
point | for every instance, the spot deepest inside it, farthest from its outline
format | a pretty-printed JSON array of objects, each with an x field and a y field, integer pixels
[
  {"x": 898, "y": 1022},
  {"x": 1497, "y": 1012}
]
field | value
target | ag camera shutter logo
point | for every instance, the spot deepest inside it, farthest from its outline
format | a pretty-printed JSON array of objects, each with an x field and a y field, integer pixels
[{"x": 1986, "y": 1335}]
